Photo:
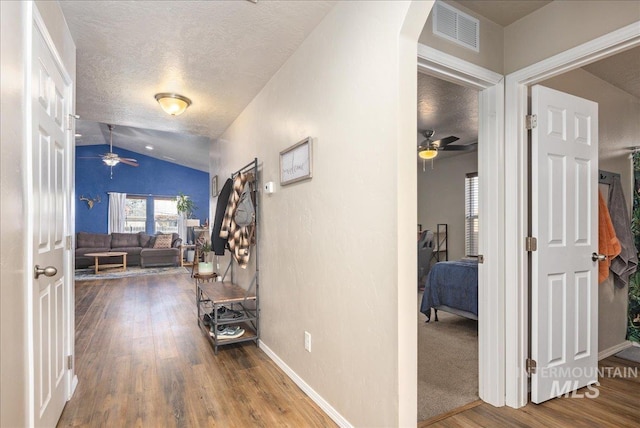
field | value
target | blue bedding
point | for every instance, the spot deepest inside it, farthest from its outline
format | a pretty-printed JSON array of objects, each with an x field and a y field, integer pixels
[{"x": 453, "y": 284}]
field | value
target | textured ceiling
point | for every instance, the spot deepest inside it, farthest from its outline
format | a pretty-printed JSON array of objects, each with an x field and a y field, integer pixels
[
  {"x": 181, "y": 148},
  {"x": 448, "y": 109},
  {"x": 503, "y": 12},
  {"x": 621, "y": 70},
  {"x": 218, "y": 53}
]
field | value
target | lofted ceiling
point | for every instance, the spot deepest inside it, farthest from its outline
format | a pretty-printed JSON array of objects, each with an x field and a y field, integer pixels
[{"x": 219, "y": 54}]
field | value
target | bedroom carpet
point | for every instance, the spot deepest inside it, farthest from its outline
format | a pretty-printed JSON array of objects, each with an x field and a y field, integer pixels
[{"x": 447, "y": 364}]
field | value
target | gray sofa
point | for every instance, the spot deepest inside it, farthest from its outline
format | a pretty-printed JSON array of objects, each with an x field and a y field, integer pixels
[{"x": 138, "y": 246}]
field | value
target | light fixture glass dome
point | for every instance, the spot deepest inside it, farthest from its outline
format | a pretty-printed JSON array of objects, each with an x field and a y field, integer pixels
[
  {"x": 111, "y": 161},
  {"x": 173, "y": 104},
  {"x": 428, "y": 153}
]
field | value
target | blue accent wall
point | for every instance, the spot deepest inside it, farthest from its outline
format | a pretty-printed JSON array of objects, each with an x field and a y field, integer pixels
[{"x": 153, "y": 176}]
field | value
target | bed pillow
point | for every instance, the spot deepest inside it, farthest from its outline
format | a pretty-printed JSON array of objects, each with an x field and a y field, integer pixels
[{"x": 162, "y": 241}]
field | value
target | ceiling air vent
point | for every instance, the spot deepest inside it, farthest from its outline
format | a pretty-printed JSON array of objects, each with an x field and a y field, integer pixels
[{"x": 454, "y": 25}]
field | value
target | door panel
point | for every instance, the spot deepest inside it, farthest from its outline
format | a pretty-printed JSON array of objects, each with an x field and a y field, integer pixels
[
  {"x": 564, "y": 215},
  {"x": 50, "y": 141}
]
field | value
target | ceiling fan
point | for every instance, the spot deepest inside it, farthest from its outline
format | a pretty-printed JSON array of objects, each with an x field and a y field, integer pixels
[
  {"x": 428, "y": 149},
  {"x": 112, "y": 159}
]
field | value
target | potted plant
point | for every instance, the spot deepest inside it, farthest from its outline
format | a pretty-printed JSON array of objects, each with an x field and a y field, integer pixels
[
  {"x": 186, "y": 207},
  {"x": 205, "y": 267}
]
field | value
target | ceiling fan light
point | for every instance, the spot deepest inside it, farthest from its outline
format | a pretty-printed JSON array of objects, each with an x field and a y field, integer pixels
[
  {"x": 173, "y": 104},
  {"x": 428, "y": 154},
  {"x": 111, "y": 162}
]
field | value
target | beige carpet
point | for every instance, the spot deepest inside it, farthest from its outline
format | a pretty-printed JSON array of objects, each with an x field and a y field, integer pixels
[{"x": 447, "y": 364}]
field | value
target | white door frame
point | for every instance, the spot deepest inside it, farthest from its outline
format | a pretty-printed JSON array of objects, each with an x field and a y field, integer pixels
[
  {"x": 516, "y": 196},
  {"x": 491, "y": 362}
]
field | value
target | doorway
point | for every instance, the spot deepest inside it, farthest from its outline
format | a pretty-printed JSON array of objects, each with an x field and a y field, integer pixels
[
  {"x": 491, "y": 374},
  {"x": 517, "y": 300},
  {"x": 448, "y": 219}
]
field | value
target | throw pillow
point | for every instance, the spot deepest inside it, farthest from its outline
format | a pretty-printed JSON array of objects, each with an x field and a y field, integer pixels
[{"x": 162, "y": 241}]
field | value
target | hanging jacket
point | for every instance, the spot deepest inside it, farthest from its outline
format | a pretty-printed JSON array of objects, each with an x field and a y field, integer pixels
[
  {"x": 626, "y": 263},
  {"x": 239, "y": 238},
  {"x": 219, "y": 244}
]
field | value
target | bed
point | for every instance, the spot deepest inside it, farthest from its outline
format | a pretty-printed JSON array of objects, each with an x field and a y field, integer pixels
[{"x": 452, "y": 287}]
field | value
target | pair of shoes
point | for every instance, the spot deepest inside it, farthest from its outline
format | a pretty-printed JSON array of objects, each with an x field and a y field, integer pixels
[
  {"x": 225, "y": 313},
  {"x": 228, "y": 332},
  {"x": 207, "y": 319}
]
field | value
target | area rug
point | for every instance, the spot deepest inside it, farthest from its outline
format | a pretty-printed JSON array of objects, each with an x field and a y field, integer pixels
[
  {"x": 631, "y": 354},
  {"x": 447, "y": 364},
  {"x": 89, "y": 274}
]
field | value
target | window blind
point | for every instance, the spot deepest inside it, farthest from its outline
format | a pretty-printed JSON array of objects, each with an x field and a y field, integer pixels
[{"x": 471, "y": 214}]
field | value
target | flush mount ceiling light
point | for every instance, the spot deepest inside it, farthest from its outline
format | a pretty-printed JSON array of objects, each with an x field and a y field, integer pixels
[{"x": 173, "y": 104}]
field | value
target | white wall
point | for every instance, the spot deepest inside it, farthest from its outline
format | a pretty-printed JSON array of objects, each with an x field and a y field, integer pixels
[
  {"x": 618, "y": 123},
  {"x": 13, "y": 328},
  {"x": 331, "y": 247},
  {"x": 561, "y": 25},
  {"x": 441, "y": 197},
  {"x": 490, "y": 55},
  {"x": 14, "y": 265}
]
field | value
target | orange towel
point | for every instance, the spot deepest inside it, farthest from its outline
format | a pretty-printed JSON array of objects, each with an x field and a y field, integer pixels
[{"x": 608, "y": 243}]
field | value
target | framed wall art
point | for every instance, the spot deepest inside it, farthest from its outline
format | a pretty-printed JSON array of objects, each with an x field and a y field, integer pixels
[{"x": 296, "y": 162}]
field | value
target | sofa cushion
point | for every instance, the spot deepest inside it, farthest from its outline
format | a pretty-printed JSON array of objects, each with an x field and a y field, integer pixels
[
  {"x": 119, "y": 240},
  {"x": 93, "y": 240},
  {"x": 82, "y": 251},
  {"x": 163, "y": 241},
  {"x": 144, "y": 240},
  {"x": 131, "y": 251}
]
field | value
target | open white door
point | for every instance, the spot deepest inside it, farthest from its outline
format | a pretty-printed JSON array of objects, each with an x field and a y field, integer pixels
[
  {"x": 564, "y": 204},
  {"x": 50, "y": 142}
]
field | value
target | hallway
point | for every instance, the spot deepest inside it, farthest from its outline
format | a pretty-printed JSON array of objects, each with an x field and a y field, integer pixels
[{"x": 141, "y": 360}]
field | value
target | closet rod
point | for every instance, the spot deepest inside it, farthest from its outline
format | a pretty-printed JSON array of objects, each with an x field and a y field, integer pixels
[{"x": 606, "y": 177}]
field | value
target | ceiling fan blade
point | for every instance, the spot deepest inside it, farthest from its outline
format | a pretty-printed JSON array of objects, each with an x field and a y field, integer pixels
[
  {"x": 130, "y": 162},
  {"x": 447, "y": 140},
  {"x": 457, "y": 148}
]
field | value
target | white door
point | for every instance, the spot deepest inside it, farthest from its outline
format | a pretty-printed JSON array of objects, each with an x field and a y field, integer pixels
[
  {"x": 51, "y": 101},
  {"x": 564, "y": 312}
]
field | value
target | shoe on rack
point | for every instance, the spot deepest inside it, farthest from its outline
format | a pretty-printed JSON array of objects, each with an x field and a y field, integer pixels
[
  {"x": 228, "y": 332},
  {"x": 225, "y": 313}
]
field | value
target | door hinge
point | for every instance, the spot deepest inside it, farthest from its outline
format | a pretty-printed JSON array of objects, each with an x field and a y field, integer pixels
[
  {"x": 68, "y": 243},
  {"x": 531, "y": 244},
  {"x": 531, "y": 121},
  {"x": 532, "y": 366},
  {"x": 480, "y": 258},
  {"x": 70, "y": 118},
  {"x": 69, "y": 362}
]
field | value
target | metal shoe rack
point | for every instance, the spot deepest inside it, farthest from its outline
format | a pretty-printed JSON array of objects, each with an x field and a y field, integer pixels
[{"x": 212, "y": 295}]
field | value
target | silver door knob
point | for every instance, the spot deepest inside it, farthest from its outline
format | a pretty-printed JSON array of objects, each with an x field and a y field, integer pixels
[
  {"x": 598, "y": 257},
  {"x": 48, "y": 271}
]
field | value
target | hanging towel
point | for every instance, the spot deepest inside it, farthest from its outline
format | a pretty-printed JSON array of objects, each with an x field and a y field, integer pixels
[
  {"x": 607, "y": 241},
  {"x": 626, "y": 263}
]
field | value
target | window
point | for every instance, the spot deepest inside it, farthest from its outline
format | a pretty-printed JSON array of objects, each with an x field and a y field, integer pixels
[
  {"x": 165, "y": 215},
  {"x": 151, "y": 215},
  {"x": 471, "y": 214},
  {"x": 135, "y": 214}
]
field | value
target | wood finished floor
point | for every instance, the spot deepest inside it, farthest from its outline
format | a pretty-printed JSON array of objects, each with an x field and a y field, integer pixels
[
  {"x": 142, "y": 361},
  {"x": 618, "y": 405}
]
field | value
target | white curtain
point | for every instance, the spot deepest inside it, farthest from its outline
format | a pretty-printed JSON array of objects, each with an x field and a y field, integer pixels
[
  {"x": 117, "y": 203},
  {"x": 182, "y": 227}
]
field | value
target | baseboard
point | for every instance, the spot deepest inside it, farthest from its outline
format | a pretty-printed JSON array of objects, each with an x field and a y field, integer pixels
[
  {"x": 614, "y": 349},
  {"x": 324, "y": 405}
]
